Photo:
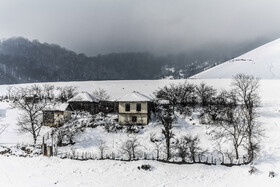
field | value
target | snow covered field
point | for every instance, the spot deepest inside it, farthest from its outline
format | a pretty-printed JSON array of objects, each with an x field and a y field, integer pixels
[
  {"x": 57, "y": 172},
  {"x": 48, "y": 172}
]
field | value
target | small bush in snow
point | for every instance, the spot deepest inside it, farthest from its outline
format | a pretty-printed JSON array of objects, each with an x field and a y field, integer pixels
[
  {"x": 132, "y": 129},
  {"x": 4, "y": 150},
  {"x": 110, "y": 125},
  {"x": 252, "y": 170},
  {"x": 119, "y": 127},
  {"x": 20, "y": 150},
  {"x": 187, "y": 146},
  {"x": 130, "y": 148},
  {"x": 271, "y": 174},
  {"x": 145, "y": 167}
]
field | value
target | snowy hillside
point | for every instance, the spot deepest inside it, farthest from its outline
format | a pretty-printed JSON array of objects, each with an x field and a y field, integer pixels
[
  {"x": 262, "y": 62},
  {"x": 43, "y": 171}
]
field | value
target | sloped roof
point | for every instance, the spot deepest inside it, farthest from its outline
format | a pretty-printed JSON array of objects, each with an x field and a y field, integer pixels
[
  {"x": 56, "y": 107},
  {"x": 83, "y": 97},
  {"x": 134, "y": 97},
  {"x": 163, "y": 102}
]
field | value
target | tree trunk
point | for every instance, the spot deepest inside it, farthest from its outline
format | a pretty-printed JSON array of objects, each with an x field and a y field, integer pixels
[
  {"x": 236, "y": 153},
  {"x": 251, "y": 148},
  {"x": 129, "y": 156},
  {"x": 133, "y": 154},
  {"x": 167, "y": 148},
  {"x": 34, "y": 138},
  {"x": 157, "y": 155}
]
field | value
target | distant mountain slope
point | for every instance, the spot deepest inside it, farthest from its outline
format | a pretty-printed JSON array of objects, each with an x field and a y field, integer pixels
[
  {"x": 25, "y": 61},
  {"x": 22, "y": 61},
  {"x": 262, "y": 62}
]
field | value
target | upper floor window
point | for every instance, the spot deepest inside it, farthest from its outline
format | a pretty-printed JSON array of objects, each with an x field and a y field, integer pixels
[
  {"x": 138, "y": 107},
  {"x": 127, "y": 107}
]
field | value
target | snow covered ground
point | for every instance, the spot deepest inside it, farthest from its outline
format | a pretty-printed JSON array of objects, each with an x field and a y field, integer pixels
[
  {"x": 48, "y": 172},
  {"x": 117, "y": 89},
  {"x": 58, "y": 172}
]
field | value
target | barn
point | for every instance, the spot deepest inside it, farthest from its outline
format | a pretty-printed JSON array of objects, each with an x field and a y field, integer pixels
[
  {"x": 56, "y": 115},
  {"x": 84, "y": 102}
]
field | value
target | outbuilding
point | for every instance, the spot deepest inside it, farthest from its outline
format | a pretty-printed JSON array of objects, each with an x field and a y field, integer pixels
[{"x": 56, "y": 115}]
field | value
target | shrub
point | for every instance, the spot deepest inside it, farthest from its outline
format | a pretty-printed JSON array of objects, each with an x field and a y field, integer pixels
[
  {"x": 132, "y": 129},
  {"x": 145, "y": 167},
  {"x": 252, "y": 170},
  {"x": 271, "y": 174}
]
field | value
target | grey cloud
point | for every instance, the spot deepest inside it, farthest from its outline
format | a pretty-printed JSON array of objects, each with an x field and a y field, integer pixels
[{"x": 159, "y": 26}]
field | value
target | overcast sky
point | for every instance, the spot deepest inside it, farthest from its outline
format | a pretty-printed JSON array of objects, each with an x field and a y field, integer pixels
[{"x": 162, "y": 26}]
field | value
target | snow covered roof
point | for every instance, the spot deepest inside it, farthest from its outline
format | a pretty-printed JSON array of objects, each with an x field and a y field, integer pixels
[
  {"x": 163, "y": 102},
  {"x": 134, "y": 96},
  {"x": 83, "y": 97},
  {"x": 56, "y": 107}
]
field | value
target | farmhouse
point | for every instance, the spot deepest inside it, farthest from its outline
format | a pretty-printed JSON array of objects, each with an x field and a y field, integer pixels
[
  {"x": 134, "y": 108},
  {"x": 84, "y": 102},
  {"x": 57, "y": 115}
]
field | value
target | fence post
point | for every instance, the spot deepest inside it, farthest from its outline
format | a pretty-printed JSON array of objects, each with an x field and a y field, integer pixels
[
  {"x": 49, "y": 151},
  {"x": 44, "y": 149}
]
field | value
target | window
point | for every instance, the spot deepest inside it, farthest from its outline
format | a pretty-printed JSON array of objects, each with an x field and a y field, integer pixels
[
  {"x": 127, "y": 107},
  {"x": 138, "y": 107},
  {"x": 134, "y": 119}
]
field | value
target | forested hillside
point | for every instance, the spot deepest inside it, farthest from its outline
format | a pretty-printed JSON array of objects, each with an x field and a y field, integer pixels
[{"x": 22, "y": 61}]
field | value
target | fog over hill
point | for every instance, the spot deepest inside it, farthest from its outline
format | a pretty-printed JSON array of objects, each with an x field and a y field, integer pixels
[{"x": 22, "y": 61}]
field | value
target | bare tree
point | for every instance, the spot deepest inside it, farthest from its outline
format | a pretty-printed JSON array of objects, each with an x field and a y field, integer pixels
[
  {"x": 182, "y": 148},
  {"x": 66, "y": 93},
  {"x": 214, "y": 110},
  {"x": 65, "y": 135},
  {"x": 182, "y": 96},
  {"x": 10, "y": 92},
  {"x": 48, "y": 90},
  {"x": 205, "y": 94},
  {"x": 168, "y": 93},
  {"x": 157, "y": 143},
  {"x": 187, "y": 94},
  {"x": 219, "y": 150},
  {"x": 167, "y": 118},
  {"x": 37, "y": 91},
  {"x": 102, "y": 147},
  {"x": 231, "y": 124},
  {"x": 247, "y": 90},
  {"x": 129, "y": 147},
  {"x": 230, "y": 156},
  {"x": 193, "y": 145},
  {"x": 101, "y": 94},
  {"x": 187, "y": 146},
  {"x": 30, "y": 119}
]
